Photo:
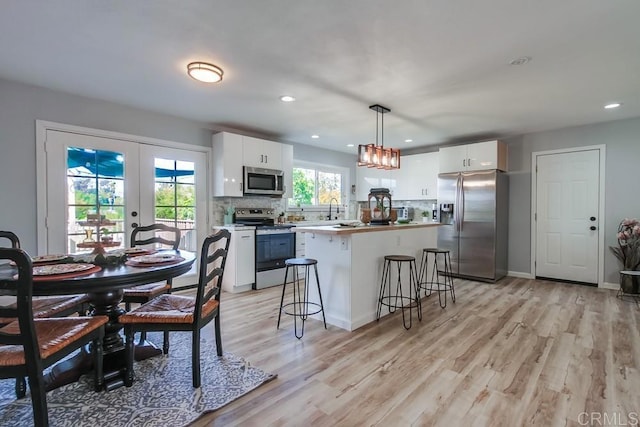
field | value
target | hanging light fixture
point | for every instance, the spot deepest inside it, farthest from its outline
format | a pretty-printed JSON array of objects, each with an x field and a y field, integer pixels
[{"x": 374, "y": 155}]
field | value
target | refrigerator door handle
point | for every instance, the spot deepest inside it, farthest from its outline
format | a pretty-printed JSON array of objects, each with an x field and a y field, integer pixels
[
  {"x": 461, "y": 203},
  {"x": 456, "y": 207}
]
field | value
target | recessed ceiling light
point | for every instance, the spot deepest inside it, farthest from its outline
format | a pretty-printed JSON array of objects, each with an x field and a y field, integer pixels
[
  {"x": 205, "y": 72},
  {"x": 315, "y": 136},
  {"x": 287, "y": 98},
  {"x": 520, "y": 61},
  {"x": 612, "y": 105},
  {"x": 408, "y": 140},
  {"x": 350, "y": 145}
]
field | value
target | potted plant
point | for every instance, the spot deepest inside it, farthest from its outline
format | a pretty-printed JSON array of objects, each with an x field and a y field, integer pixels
[
  {"x": 377, "y": 211},
  {"x": 628, "y": 253},
  {"x": 105, "y": 235},
  {"x": 425, "y": 216}
]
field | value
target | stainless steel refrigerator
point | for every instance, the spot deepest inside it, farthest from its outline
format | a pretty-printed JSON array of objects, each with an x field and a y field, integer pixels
[{"x": 474, "y": 210}]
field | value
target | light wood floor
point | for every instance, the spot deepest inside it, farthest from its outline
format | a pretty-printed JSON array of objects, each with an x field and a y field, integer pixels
[{"x": 519, "y": 352}]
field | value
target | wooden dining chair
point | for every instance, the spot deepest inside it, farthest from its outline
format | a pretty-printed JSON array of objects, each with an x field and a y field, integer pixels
[
  {"x": 179, "y": 313},
  {"x": 28, "y": 345},
  {"x": 145, "y": 293},
  {"x": 60, "y": 306}
]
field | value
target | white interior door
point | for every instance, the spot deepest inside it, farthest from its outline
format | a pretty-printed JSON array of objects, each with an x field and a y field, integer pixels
[{"x": 567, "y": 215}]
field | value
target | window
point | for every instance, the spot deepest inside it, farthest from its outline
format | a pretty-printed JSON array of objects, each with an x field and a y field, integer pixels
[{"x": 316, "y": 185}]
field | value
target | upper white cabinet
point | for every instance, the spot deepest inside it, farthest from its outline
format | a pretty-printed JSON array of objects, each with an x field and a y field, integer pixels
[
  {"x": 417, "y": 178},
  {"x": 471, "y": 157},
  {"x": 287, "y": 168},
  {"x": 231, "y": 152},
  {"x": 227, "y": 165},
  {"x": 368, "y": 178},
  {"x": 262, "y": 154}
]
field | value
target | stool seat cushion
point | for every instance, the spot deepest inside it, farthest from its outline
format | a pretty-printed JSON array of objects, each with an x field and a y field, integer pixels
[
  {"x": 168, "y": 308},
  {"x": 401, "y": 258},
  {"x": 301, "y": 261},
  {"x": 436, "y": 250},
  {"x": 53, "y": 335}
]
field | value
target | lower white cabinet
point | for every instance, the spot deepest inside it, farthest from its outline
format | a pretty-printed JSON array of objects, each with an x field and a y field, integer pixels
[
  {"x": 300, "y": 245},
  {"x": 240, "y": 268}
]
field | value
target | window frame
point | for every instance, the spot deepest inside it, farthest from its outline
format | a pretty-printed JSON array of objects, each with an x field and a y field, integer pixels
[{"x": 343, "y": 171}]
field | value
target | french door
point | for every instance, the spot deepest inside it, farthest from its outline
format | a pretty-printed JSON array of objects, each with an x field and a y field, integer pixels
[{"x": 98, "y": 189}]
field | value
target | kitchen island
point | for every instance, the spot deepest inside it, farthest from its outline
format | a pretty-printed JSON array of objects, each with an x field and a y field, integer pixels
[{"x": 350, "y": 265}]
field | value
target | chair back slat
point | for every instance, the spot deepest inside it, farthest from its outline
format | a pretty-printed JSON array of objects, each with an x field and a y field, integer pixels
[
  {"x": 137, "y": 240},
  {"x": 15, "y": 242},
  {"x": 213, "y": 258},
  {"x": 21, "y": 286}
]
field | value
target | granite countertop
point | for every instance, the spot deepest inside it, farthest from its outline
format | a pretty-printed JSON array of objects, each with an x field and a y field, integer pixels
[{"x": 337, "y": 229}]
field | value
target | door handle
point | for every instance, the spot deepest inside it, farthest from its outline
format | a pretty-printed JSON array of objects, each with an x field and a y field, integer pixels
[{"x": 592, "y": 228}]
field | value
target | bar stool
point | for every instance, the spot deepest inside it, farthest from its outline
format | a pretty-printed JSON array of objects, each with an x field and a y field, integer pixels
[
  {"x": 301, "y": 301},
  {"x": 393, "y": 302},
  {"x": 443, "y": 284}
]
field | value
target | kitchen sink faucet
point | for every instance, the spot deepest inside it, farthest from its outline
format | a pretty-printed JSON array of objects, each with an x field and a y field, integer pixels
[{"x": 337, "y": 207}]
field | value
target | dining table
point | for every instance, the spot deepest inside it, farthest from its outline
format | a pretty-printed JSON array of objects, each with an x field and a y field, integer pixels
[{"x": 104, "y": 286}]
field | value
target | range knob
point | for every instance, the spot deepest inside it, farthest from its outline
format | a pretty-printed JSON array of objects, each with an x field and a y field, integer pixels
[{"x": 270, "y": 212}]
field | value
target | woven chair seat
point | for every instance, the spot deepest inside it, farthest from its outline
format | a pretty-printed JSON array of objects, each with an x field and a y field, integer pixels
[
  {"x": 150, "y": 290},
  {"x": 167, "y": 308},
  {"x": 53, "y": 335},
  {"x": 50, "y": 306}
]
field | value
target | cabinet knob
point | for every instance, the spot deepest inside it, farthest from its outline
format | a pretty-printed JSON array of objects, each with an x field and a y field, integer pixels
[
  {"x": 134, "y": 224},
  {"x": 592, "y": 228},
  {"x": 593, "y": 218},
  {"x": 134, "y": 214}
]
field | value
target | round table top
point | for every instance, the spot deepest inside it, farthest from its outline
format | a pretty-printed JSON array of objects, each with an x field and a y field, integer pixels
[{"x": 110, "y": 278}]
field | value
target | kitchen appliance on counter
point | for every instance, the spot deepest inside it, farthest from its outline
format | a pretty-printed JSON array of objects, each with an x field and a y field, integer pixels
[
  {"x": 404, "y": 213},
  {"x": 474, "y": 213},
  {"x": 275, "y": 243},
  {"x": 263, "y": 182}
]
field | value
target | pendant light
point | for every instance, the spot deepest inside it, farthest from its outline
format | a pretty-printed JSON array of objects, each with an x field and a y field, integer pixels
[{"x": 374, "y": 155}]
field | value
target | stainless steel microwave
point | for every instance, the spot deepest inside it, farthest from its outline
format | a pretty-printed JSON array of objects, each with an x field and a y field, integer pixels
[{"x": 265, "y": 182}]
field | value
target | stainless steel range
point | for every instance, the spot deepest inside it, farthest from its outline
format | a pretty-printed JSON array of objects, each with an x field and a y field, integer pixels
[{"x": 275, "y": 243}]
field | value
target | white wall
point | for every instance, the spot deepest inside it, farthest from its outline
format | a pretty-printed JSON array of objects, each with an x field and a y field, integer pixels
[{"x": 622, "y": 140}]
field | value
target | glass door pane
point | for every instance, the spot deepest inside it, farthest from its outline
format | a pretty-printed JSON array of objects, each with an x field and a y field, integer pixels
[
  {"x": 95, "y": 198},
  {"x": 175, "y": 199}
]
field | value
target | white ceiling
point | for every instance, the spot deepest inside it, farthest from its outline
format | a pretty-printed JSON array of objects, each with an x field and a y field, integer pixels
[{"x": 441, "y": 66}]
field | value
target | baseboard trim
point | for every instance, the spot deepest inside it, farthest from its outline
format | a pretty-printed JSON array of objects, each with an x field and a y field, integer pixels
[
  {"x": 609, "y": 285},
  {"x": 519, "y": 274}
]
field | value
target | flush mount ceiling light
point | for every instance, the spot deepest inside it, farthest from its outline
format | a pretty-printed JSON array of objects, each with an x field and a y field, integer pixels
[
  {"x": 349, "y": 145},
  {"x": 374, "y": 155},
  {"x": 612, "y": 105},
  {"x": 287, "y": 98},
  {"x": 408, "y": 140},
  {"x": 205, "y": 72},
  {"x": 315, "y": 136}
]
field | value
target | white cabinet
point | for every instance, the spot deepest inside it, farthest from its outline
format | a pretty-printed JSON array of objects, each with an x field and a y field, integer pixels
[
  {"x": 260, "y": 153},
  {"x": 300, "y": 245},
  {"x": 368, "y": 178},
  {"x": 231, "y": 152},
  {"x": 287, "y": 168},
  {"x": 227, "y": 165},
  {"x": 471, "y": 157},
  {"x": 240, "y": 271},
  {"x": 417, "y": 178}
]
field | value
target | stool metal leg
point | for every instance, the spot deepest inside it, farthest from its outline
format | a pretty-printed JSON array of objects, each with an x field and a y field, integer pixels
[
  {"x": 315, "y": 267},
  {"x": 297, "y": 301},
  {"x": 448, "y": 272},
  {"x": 415, "y": 286},
  {"x": 284, "y": 287}
]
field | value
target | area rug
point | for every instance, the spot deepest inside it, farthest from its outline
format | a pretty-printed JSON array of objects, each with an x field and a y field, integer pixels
[{"x": 162, "y": 394}]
